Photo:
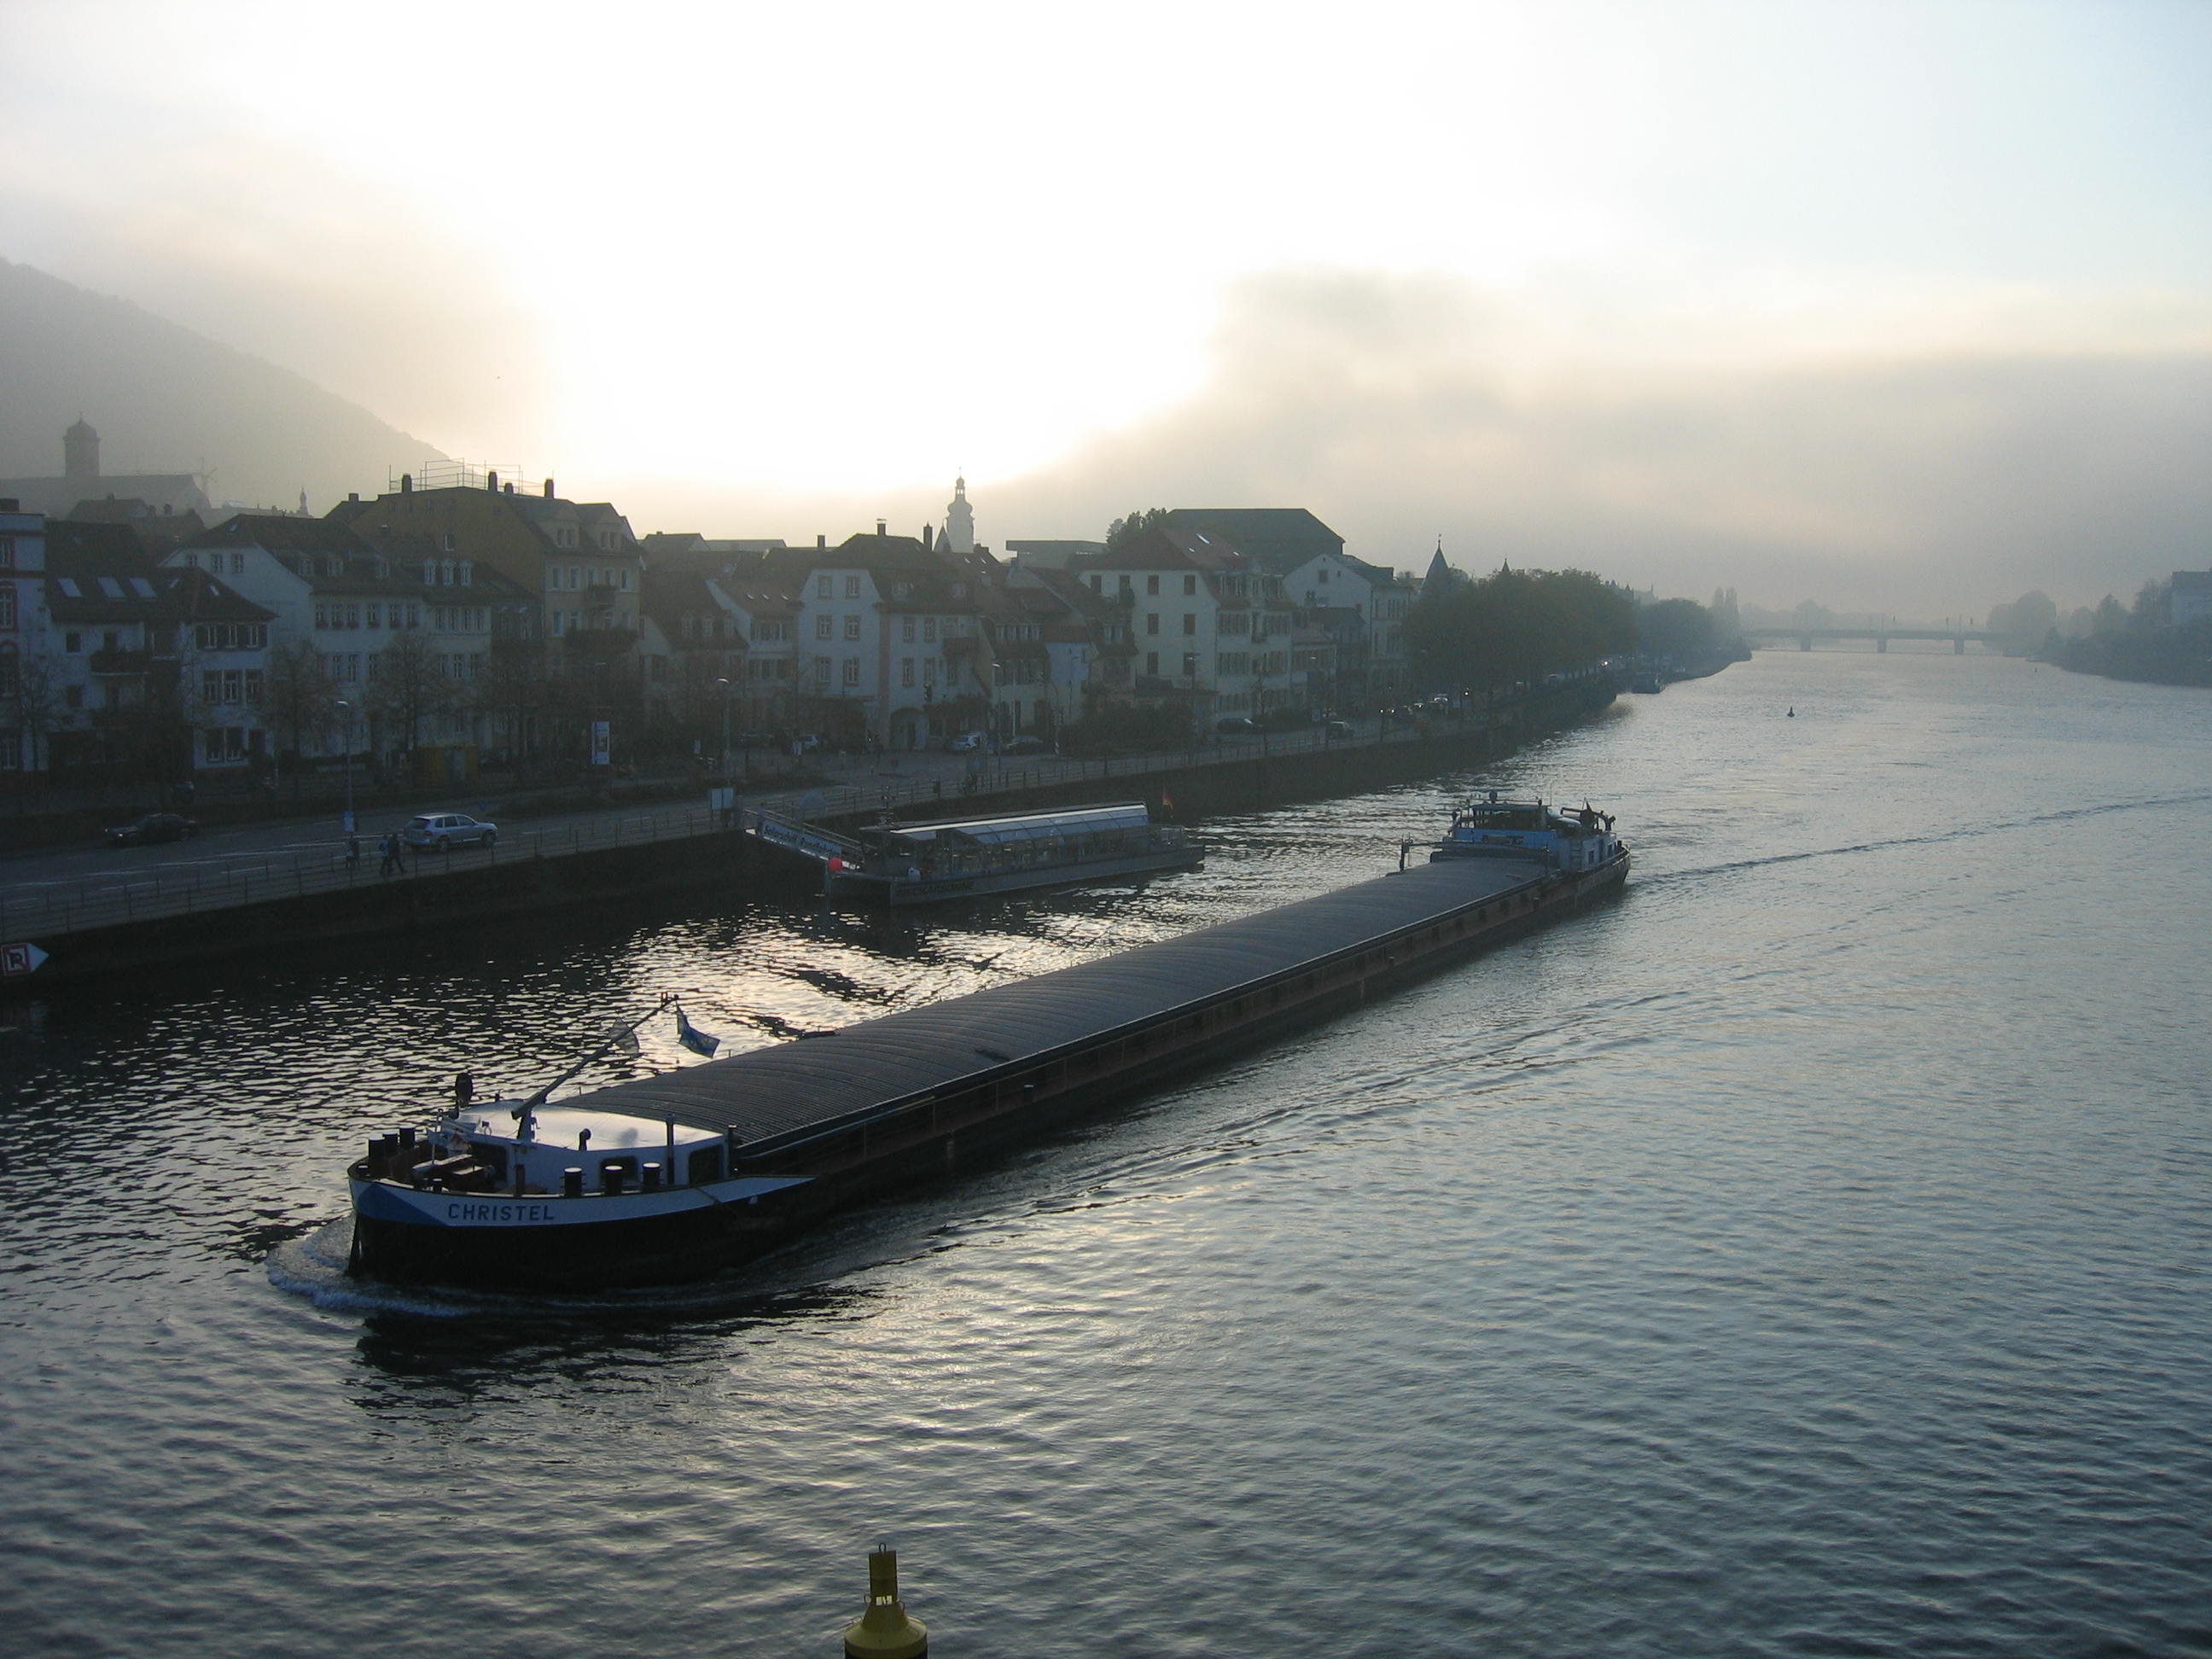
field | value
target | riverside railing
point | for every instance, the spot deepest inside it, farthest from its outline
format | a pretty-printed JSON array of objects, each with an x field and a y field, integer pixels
[{"x": 33, "y": 911}]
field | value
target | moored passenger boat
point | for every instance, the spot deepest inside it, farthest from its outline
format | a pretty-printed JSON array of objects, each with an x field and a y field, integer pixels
[
  {"x": 929, "y": 861},
  {"x": 678, "y": 1176}
]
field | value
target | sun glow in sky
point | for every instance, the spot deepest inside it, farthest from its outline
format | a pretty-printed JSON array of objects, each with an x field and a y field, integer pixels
[{"x": 721, "y": 256}]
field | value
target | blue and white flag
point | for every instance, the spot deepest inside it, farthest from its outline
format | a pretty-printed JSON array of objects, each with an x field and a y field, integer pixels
[{"x": 695, "y": 1039}]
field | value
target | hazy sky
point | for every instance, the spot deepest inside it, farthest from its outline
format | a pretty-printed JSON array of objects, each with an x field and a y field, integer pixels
[{"x": 1871, "y": 302}]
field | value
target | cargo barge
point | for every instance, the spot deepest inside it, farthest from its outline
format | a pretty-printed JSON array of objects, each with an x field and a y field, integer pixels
[{"x": 679, "y": 1176}]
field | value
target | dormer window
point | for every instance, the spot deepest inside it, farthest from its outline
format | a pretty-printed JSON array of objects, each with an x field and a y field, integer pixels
[{"x": 468, "y": 573}]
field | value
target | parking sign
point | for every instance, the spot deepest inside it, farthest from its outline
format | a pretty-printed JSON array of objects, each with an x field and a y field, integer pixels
[{"x": 17, "y": 960}]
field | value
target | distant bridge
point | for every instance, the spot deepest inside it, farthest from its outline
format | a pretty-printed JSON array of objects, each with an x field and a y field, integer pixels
[{"x": 1881, "y": 637}]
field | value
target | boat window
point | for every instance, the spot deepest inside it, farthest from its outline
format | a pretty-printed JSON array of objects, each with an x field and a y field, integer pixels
[{"x": 703, "y": 1166}]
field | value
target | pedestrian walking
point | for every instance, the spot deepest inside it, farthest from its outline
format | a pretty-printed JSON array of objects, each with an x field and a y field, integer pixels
[
  {"x": 353, "y": 851},
  {"x": 388, "y": 850}
]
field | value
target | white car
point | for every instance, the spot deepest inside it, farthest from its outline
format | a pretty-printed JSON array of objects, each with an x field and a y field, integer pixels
[
  {"x": 967, "y": 742},
  {"x": 441, "y": 832}
]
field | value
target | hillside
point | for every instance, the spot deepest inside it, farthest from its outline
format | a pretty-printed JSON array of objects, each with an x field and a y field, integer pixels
[{"x": 166, "y": 400}]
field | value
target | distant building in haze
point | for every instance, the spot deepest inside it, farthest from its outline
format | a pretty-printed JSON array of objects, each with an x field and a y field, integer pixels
[{"x": 81, "y": 479}]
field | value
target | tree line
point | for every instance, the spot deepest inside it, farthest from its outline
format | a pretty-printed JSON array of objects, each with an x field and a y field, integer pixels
[
  {"x": 2141, "y": 641},
  {"x": 1489, "y": 632}
]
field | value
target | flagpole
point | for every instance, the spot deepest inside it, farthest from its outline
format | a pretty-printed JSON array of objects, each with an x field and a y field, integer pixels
[{"x": 526, "y": 1113}]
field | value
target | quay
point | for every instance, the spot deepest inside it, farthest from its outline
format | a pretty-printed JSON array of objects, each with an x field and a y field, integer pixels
[
  {"x": 128, "y": 920},
  {"x": 813, "y": 1125}
]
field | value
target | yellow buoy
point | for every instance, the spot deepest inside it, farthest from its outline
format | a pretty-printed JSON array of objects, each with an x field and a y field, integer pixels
[{"x": 885, "y": 1631}]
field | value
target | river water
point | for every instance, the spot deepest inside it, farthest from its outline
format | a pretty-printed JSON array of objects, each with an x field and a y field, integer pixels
[{"x": 1806, "y": 1255}]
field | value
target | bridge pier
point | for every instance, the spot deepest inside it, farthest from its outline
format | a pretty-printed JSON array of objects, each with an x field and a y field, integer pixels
[
  {"x": 1959, "y": 645},
  {"x": 1882, "y": 645},
  {"x": 1804, "y": 642}
]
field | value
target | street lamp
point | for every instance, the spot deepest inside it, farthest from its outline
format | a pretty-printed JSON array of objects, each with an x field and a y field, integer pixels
[
  {"x": 349, "y": 763},
  {"x": 724, "y": 685}
]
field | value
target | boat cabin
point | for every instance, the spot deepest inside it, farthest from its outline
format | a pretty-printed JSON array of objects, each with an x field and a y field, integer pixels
[{"x": 1071, "y": 836}]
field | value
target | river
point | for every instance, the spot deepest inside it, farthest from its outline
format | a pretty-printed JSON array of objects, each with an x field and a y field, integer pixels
[{"x": 1806, "y": 1254}]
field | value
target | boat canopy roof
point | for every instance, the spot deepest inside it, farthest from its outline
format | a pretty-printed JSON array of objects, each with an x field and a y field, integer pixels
[
  {"x": 1018, "y": 827},
  {"x": 776, "y": 1096}
]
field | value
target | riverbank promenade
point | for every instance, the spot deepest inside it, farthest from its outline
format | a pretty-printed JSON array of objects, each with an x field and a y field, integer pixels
[{"x": 51, "y": 896}]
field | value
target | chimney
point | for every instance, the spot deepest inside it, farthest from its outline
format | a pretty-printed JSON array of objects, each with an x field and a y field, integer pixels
[
  {"x": 821, "y": 540},
  {"x": 491, "y": 482},
  {"x": 549, "y": 490},
  {"x": 510, "y": 486},
  {"x": 879, "y": 526},
  {"x": 406, "y": 484},
  {"x": 353, "y": 495}
]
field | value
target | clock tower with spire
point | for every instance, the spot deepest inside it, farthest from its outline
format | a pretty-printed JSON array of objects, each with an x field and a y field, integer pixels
[{"x": 960, "y": 519}]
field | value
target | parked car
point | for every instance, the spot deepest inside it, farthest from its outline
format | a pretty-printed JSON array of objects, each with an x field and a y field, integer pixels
[
  {"x": 154, "y": 827},
  {"x": 443, "y": 831},
  {"x": 1339, "y": 729},
  {"x": 1025, "y": 746},
  {"x": 967, "y": 742},
  {"x": 1236, "y": 725}
]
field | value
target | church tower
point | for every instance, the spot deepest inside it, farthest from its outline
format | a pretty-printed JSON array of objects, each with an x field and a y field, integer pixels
[
  {"x": 80, "y": 452},
  {"x": 960, "y": 519},
  {"x": 1440, "y": 575}
]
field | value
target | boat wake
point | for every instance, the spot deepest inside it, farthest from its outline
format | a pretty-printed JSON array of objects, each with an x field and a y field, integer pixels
[{"x": 1961, "y": 832}]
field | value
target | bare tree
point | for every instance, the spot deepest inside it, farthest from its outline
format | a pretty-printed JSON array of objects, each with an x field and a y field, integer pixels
[
  {"x": 302, "y": 701},
  {"x": 513, "y": 690},
  {"x": 36, "y": 703},
  {"x": 409, "y": 685}
]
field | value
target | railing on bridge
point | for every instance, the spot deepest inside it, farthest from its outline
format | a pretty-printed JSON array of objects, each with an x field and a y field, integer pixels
[{"x": 1958, "y": 637}]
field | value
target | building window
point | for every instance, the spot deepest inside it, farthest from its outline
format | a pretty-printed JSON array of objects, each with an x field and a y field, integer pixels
[
  {"x": 1190, "y": 664},
  {"x": 1151, "y": 621},
  {"x": 824, "y": 588},
  {"x": 73, "y": 643},
  {"x": 852, "y": 587},
  {"x": 11, "y": 751},
  {"x": 1151, "y": 585},
  {"x": 852, "y": 628},
  {"x": 1097, "y": 583},
  {"x": 1190, "y": 621},
  {"x": 929, "y": 630},
  {"x": 906, "y": 630},
  {"x": 8, "y": 553},
  {"x": 6, "y": 605},
  {"x": 1189, "y": 585},
  {"x": 825, "y": 627},
  {"x": 906, "y": 671},
  {"x": 1153, "y": 664},
  {"x": 852, "y": 671},
  {"x": 822, "y": 671}
]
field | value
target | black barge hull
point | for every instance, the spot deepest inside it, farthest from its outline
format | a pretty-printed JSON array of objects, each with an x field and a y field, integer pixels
[{"x": 896, "y": 1103}]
